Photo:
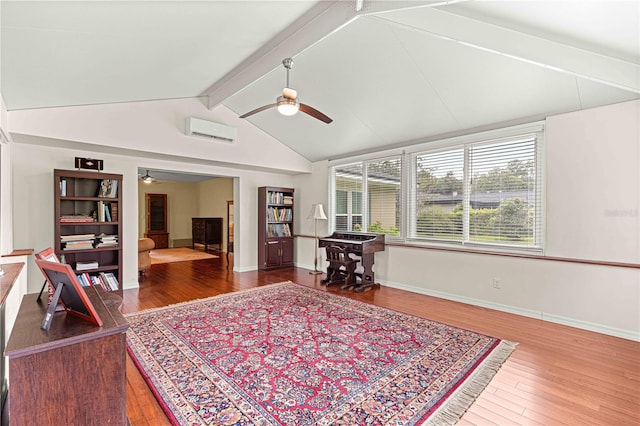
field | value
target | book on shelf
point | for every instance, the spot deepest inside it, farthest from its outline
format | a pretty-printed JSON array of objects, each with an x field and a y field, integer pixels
[
  {"x": 100, "y": 281},
  {"x": 100, "y": 211},
  {"x": 76, "y": 218},
  {"x": 63, "y": 188},
  {"x": 86, "y": 265},
  {"x": 279, "y": 230},
  {"x": 105, "y": 240},
  {"x": 77, "y": 242},
  {"x": 287, "y": 199},
  {"x": 114, "y": 212},
  {"x": 76, "y": 237},
  {"x": 110, "y": 280},
  {"x": 107, "y": 213},
  {"x": 279, "y": 215}
]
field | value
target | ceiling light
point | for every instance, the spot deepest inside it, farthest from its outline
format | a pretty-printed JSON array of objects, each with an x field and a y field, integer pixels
[
  {"x": 287, "y": 106},
  {"x": 147, "y": 178}
]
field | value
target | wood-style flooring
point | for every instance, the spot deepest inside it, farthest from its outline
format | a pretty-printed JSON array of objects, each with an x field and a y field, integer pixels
[{"x": 558, "y": 375}]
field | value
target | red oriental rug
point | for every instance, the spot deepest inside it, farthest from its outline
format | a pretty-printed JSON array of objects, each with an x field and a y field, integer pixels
[{"x": 285, "y": 354}]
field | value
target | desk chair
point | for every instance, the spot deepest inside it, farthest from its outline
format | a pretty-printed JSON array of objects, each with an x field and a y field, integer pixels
[{"x": 341, "y": 267}]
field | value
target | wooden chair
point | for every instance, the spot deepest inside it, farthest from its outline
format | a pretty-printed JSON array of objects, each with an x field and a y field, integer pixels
[{"x": 341, "y": 267}]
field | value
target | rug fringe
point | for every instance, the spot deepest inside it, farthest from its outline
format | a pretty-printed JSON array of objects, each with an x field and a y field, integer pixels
[{"x": 459, "y": 402}]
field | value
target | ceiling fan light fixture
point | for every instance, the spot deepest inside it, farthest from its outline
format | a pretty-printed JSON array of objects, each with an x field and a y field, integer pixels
[
  {"x": 147, "y": 178},
  {"x": 287, "y": 106}
]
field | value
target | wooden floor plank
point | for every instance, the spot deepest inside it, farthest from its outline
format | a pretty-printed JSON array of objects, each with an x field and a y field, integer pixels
[{"x": 558, "y": 375}]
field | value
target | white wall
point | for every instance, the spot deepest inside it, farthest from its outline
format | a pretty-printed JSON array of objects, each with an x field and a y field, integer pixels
[
  {"x": 593, "y": 184},
  {"x": 310, "y": 189},
  {"x": 6, "y": 199},
  {"x": 593, "y": 168},
  {"x": 158, "y": 127}
]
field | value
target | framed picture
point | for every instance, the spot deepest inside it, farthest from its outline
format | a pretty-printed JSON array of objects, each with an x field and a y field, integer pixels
[{"x": 71, "y": 293}]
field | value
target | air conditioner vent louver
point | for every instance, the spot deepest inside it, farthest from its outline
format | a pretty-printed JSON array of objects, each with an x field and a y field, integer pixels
[{"x": 210, "y": 130}]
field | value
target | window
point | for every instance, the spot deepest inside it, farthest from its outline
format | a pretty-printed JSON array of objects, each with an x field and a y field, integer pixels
[
  {"x": 348, "y": 198},
  {"x": 384, "y": 193},
  {"x": 481, "y": 189},
  {"x": 482, "y": 193},
  {"x": 380, "y": 211}
]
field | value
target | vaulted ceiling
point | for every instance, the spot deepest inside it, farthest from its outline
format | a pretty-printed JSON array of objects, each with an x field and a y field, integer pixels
[{"x": 387, "y": 72}]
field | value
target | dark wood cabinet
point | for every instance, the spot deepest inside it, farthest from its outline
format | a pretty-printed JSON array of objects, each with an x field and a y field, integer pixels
[
  {"x": 206, "y": 231},
  {"x": 73, "y": 374},
  {"x": 275, "y": 227},
  {"x": 87, "y": 220},
  {"x": 157, "y": 220}
]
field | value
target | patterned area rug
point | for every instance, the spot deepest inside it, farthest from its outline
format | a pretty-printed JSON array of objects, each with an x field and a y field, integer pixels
[
  {"x": 179, "y": 254},
  {"x": 285, "y": 354}
]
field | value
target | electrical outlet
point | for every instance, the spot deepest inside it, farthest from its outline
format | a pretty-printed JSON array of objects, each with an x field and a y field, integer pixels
[{"x": 496, "y": 284}]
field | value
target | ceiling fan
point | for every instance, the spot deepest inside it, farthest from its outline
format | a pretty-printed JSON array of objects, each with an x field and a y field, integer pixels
[
  {"x": 288, "y": 103},
  {"x": 147, "y": 178}
]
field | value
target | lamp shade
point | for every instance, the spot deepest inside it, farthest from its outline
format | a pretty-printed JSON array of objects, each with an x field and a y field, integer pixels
[{"x": 317, "y": 212}]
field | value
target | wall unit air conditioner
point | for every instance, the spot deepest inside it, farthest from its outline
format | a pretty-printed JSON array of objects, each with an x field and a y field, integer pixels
[{"x": 209, "y": 129}]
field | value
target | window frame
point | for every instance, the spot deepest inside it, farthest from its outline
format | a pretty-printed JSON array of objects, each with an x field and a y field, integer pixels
[{"x": 408, "y": 212}]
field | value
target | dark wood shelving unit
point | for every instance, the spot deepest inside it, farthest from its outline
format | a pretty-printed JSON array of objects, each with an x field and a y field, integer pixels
[
  {"x": 275, "y": 227},
  {"x": 80, "y": 192},
  {"x": 73, "y": 374}
]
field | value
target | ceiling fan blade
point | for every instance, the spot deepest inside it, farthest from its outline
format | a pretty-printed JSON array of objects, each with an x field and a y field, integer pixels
[
  {"x": 314, "y": 113},
  {"x": 262, "y": 108}
]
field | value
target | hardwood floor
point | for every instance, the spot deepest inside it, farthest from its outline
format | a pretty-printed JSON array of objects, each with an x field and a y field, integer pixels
[{"x": 558, "y": 375}]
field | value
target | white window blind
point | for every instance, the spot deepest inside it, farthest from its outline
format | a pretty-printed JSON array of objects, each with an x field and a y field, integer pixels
[
  {"x": 438, "y": 195},
  {"x": 348, "y": 197},
  {"x": 481, "y": 193},
  {"x": 503, "y": 192},
  {"x": 384, "y": 191}
]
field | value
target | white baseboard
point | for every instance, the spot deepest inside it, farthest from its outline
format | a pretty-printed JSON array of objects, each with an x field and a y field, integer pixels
[
  {"x": 584, "y": 325},
  {"x": 245, "y": 268}
]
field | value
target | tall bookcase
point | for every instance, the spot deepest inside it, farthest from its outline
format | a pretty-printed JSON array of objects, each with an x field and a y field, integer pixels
[
  {"x": 88, "y": 231},
  {"x": 275, "y": 227}
]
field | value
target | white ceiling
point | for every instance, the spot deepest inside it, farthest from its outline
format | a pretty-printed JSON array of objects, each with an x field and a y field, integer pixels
[{"x": 393, "y": 73}]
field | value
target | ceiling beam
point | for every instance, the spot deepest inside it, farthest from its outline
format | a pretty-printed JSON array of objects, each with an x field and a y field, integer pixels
[
  {"x": 319, "y": 22},
  {"x": 523, "y": 47}
]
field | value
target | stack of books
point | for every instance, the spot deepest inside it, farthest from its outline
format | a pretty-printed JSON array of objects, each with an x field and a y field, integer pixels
[
  {"x": 76, "y": 218},
  {"x": 77, "y": 242},
  {"x": 106, "y": 240},
  {"x": 85, "y": 266}
]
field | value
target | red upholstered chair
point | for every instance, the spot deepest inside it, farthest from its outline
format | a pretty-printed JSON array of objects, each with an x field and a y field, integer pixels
[{"x": 145, "y": 245}]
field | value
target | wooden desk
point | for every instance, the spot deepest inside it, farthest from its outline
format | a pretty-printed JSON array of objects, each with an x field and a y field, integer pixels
[{"x": 73, "y": 374}]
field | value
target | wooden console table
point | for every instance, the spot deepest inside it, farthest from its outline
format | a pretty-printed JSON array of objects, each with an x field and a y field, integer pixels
[
  {"x": 73, "y": 374},
  {"x": 206, "y": 231}
]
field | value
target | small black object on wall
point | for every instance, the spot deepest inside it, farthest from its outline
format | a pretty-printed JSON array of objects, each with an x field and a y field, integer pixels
[{"x": 89, "y": 163}]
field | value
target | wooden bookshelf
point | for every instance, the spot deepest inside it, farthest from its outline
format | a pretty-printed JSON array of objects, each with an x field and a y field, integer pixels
[
  {"x": 89, "y": 204},
  {"x": 275, "y": 227}
]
